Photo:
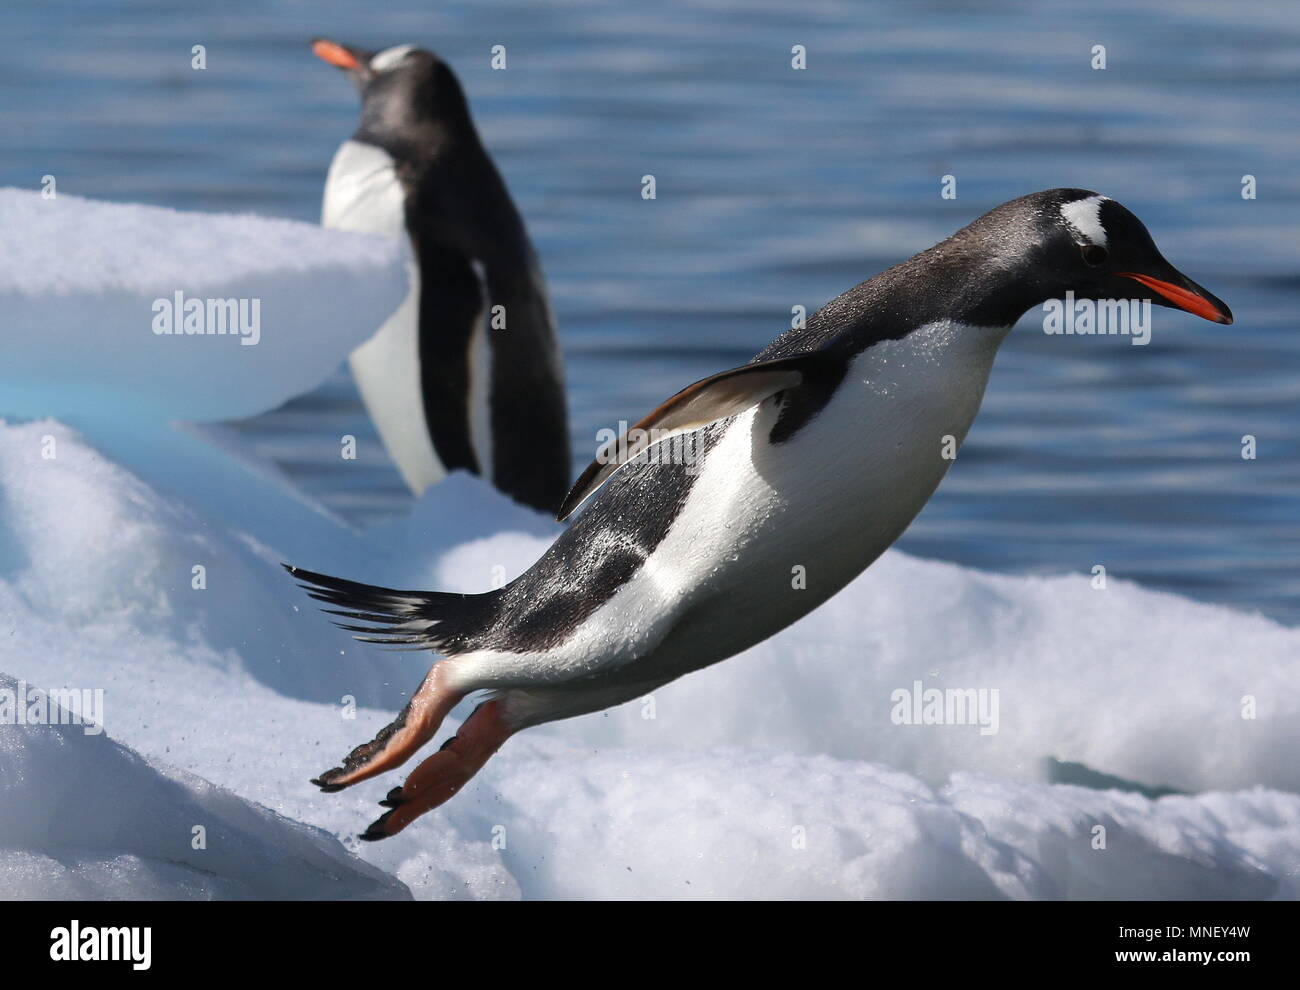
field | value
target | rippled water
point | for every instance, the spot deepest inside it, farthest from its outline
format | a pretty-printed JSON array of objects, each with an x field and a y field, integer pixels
[{"x": 779, "y": 187}]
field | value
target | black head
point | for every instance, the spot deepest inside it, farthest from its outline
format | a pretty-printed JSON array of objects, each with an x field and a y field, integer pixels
[
  {"x": 406, "y": 91},
  {"x": 1076, "y": 240}
]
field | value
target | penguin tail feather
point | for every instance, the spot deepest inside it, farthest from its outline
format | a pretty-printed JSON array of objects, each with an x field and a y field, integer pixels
[{"x": 400, "y": 620}]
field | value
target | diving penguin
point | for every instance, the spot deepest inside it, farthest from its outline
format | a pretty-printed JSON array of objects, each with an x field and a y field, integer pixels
[{"x": 818, "y": 452}]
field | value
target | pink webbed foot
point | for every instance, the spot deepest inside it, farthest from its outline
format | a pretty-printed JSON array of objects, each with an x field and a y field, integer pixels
[
  {"x": 444, "y": 773},
  {"x": 396, "y": 742}
]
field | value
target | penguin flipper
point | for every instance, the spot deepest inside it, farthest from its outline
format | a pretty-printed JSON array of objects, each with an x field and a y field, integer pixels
[
  {"x": 527, "y": 414},
  {"x": 719, "y": 396}
]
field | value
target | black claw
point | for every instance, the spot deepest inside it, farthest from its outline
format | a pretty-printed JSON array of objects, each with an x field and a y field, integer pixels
[
  {"x": 324, "y": 784},
  {"x": 393, "y": 798},
  {"x": 376, "y": 830},
  {"x": 446, "y": 744}
]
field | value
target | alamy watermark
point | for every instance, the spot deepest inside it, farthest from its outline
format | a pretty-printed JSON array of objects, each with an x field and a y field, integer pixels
[
  {"x": 195, "y": 317},
  {"x": 652, "y": 446},
  {"x": 102, "y": 944},
  {"x": 1128, "y": 317},
  {"x": 25, "y": 705},
  {"x": 919, "y": 705}
]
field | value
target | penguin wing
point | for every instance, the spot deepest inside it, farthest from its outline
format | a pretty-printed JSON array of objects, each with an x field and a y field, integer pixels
[
  {"x": 694, "y": 407},
  {"x": 526, "y": 410}
]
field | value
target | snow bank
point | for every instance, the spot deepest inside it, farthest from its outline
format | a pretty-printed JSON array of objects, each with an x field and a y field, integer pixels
[
  {"x": 85, "y": 286},
  {"x": 733, "y": 823},
  {"x": 82, "y": 817},
  {"x": 89, "y": 552},
  {"x": 88, "y": 548},
  {"x": 778, "y": 773}
]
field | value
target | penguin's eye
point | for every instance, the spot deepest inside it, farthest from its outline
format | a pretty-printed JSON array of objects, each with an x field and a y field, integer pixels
[{"x": 1093, "y": 254}]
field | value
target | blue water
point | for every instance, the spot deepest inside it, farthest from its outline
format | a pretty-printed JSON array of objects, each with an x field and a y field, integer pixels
[{"x": 779, "y": 187}]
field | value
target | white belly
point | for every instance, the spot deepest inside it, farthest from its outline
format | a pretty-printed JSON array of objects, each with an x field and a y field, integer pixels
[
  {"x": 829, "y": 501},
  {"x": 363, "y": 194},
  {"x": 800, "y": 520}
]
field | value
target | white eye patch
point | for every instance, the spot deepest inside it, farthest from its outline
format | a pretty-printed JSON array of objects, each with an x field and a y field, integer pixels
[
  {"x": 1084, "y": 215},
  {"x": 390, "y": 57}
]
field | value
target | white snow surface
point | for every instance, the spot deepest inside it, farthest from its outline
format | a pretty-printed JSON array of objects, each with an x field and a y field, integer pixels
[
  {"x": 778, "y": 773},
  {"x": 79, "y": 280},
  {"x": 82, "y": 818}
]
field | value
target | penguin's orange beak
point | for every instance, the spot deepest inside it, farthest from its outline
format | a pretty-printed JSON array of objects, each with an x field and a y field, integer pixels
[
  {"x": 1189, "y": 297},
  {"x": 334, "y": 53}
]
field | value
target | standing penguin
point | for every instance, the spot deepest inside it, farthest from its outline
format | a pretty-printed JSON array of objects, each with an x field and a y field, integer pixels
[
  {"x": 819, "y": 453},
  {"x": 466, "y": 373}
]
